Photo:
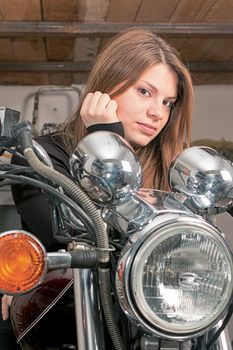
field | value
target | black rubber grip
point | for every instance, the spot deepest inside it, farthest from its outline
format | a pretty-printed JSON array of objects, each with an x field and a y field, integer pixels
[{"x": 84, "y": 259}]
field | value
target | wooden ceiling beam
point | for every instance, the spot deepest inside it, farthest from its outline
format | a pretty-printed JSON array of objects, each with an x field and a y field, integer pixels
[
  {"x": 211, "y": 67},
  {"x": 48, "y": 67},
  {"x": 74, "y": 67},
  {"x": 106, "y": 29}
]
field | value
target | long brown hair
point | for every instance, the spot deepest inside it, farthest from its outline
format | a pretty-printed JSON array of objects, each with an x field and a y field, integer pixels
[{"x": 122, "y": 63}]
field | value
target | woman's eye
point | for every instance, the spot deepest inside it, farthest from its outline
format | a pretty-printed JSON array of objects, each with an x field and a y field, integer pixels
[
  {"x": 168, "y": 104},
  {"x": 144, "y": 92}
]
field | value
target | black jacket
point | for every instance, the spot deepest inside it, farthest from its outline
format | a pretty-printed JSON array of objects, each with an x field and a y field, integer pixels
[{"x": 33, "y": 204}]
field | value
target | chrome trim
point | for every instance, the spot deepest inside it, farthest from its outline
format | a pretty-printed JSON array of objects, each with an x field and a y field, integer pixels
[
  {"x": 132, "y": 215},
  {"x": 72, "y": 219},
  {"x": 128, "y": 216},
  {"x": 106, "y": 167},
  {"x": 125, "y": 263},
  {"x": 204, "y": 176},
  {"x": 223, "y": 341},
  {"x": 89, "y": 323},
  {"x": 42, "y": 154}
]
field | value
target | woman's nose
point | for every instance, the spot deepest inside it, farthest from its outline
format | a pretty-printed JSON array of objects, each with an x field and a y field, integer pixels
[{"x": 155, "y": 111}]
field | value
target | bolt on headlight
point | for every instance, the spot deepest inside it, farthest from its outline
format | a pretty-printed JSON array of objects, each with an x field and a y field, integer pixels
[{"x": 177, "y": 280}]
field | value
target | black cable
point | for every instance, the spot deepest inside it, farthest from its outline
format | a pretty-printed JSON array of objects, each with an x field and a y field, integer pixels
[
  {"x": 19, "y": 170},
  {"x": 19, "y": 179},
  {"x": 8, "y": 182},
  {"x": 14, "y": 167}
]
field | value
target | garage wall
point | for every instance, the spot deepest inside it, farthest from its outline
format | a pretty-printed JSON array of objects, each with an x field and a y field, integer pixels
[{"x": 213, "y": 118}]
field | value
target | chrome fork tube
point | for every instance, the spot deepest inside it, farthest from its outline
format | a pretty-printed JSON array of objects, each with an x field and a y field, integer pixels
[
  {"x": 87, "y": 310},
  {"x": 223, "y": 342}
]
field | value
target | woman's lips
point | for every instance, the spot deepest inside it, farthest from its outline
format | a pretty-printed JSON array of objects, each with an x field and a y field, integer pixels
[{"x": 147, "y": 129}]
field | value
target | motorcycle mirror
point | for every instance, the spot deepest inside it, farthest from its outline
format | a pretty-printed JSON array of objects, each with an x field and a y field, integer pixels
[{"x": 203, "y": 175}]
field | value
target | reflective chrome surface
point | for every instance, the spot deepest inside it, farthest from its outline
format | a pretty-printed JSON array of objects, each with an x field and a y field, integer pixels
[
  {"x": 161, "y": 200},
  {"x": 129, "y": 216},
  {"x": 223, "y": 342},
  {"x": 42, "y": 154},
  {"x": 72, "y": 219},
  {"x": 205, "y": 175},
  {"x": 106, "y": 167},
  {"x": 127, "y": 279},
  {"x": 138, "y": 210},
  {"x": 87, "y": 310},
  {"x": 110, "y": 173}
]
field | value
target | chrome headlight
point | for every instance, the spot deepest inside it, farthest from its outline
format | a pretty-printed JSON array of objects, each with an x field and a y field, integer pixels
[
  {"x": 205, "y": 176},
  {"x": 106, "y": 167},
  {"x": 176, "y": 280}
]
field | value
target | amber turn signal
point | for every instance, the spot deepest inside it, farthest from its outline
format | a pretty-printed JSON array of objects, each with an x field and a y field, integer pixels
[{"x": 23, "y": 262}]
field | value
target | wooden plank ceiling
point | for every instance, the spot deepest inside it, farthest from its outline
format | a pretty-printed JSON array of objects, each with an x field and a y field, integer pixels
[{"x": 56, "y": 41}]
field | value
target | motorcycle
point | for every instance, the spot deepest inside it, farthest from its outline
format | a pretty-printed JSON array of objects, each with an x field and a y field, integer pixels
[{"x": 143, "y": 269}]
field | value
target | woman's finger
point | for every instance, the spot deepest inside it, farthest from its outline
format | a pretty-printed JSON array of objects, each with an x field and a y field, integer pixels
[
  {"x": 102, "y": 103},
  {"x": 98, "y": 108},
  {"x": 111, "y": 109}
]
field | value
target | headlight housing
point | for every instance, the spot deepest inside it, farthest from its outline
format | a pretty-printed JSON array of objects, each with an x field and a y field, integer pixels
[
  {"x": 106, "y": 167},
  {"x": 204, "y": 176},
  {"x": 176, "y": 280}
]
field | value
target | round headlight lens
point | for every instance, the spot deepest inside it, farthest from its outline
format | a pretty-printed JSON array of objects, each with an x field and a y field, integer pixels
[{"x": 182, "y": 278}]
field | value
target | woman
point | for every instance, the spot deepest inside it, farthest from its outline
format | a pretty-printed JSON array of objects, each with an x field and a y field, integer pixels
[
  {"x": 138, "y": 80},
  {"x": 138, "y": 88}
]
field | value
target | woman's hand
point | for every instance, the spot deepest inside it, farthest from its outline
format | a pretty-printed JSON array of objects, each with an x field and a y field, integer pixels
[
  {"x": 98, "y": 108},
  {"x": 6, "y": 302}
]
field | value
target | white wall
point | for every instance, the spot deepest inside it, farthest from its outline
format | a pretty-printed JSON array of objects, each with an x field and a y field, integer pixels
[
  {"x": 213, "y": 118},
  {"x": 53, "y": 105}
]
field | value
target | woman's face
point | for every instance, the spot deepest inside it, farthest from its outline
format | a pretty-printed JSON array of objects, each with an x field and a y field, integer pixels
[{"x": 144, "y": 108}]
